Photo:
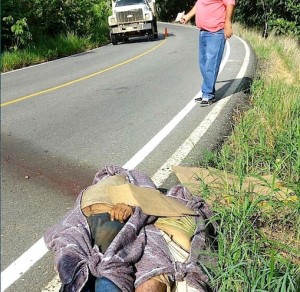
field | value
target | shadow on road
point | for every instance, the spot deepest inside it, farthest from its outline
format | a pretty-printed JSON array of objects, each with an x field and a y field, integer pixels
[{"x": 244, "y": 87}]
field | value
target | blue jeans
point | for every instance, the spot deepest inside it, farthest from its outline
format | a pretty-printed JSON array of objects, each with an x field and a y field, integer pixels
[
  {"x": 211, "y": 48},
  {"x": 96, "y": 285},
  {"x": 105, "y": 285},
  {"x": 103, "y": 230}
]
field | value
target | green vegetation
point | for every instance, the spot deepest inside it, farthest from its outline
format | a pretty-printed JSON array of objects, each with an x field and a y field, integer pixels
[
  {"x": 34, "y": 31},
  {"x": 45, "y": 50},
  {"x": 259, "y": 235},
  {"x": 281, "y": 17},
  {"x": 26, "y": 22}
]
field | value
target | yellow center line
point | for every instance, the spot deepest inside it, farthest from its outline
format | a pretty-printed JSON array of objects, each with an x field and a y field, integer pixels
[{"x": 82, "y": 78}]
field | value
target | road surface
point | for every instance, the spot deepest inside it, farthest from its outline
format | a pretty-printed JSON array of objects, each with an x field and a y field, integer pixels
[{"x": 129, "y": 105}]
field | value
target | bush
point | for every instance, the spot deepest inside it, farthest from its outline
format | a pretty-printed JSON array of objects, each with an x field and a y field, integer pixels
[{"x": 25, "y": 22}]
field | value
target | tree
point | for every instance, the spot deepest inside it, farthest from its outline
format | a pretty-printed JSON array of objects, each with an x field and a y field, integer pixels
[
  {"x": 280, "y": 16},
  {"x": 168, "y": 9}
]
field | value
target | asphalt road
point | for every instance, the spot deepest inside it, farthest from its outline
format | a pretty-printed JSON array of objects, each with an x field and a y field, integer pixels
[{"x": 129, "y": 105}]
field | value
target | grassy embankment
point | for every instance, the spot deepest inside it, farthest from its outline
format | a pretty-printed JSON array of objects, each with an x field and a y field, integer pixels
[
  {"x": 46, "y": 50},
  {"x": 259, "y": 235}
]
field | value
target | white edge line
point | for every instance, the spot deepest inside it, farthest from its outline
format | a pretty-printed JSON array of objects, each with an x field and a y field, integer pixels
[
  {"x": 23, "y": 263},
  {"x": 13, "y": 272},
  {"x": 163, "y": 133},
  {"x": 165, "y": 170},
  {"x": 50, "y": 61}
]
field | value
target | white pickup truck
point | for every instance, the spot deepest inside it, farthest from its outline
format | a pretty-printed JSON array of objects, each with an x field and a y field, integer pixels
[{"x": 132, "y": 18}]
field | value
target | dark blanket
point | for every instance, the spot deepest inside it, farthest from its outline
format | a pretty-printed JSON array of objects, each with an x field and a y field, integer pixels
[{"x": 137, "y": 253}]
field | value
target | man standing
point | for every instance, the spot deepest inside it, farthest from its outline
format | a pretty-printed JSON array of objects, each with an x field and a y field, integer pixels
[{"x": 214, "y": 19}]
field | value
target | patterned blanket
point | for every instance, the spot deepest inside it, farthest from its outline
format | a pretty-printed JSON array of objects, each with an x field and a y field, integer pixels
[{"x": 139, "y": 251}]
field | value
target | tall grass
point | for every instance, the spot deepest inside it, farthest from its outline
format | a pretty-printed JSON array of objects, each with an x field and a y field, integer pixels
[
  {"x": 259, "y": 248},
  {"x": 46, "y": 49}
]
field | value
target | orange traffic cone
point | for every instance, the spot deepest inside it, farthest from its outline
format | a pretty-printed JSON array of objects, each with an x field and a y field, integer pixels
[{"x": 166, "y": 32}]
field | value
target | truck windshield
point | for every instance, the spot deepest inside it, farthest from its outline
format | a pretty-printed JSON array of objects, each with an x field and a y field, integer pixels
[{"x": 128, "y": 2}]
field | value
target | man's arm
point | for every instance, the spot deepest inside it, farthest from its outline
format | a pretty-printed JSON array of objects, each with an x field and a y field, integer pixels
[
  {"x": 228, "y": 20},
  {"x": 189, "y": 15}
]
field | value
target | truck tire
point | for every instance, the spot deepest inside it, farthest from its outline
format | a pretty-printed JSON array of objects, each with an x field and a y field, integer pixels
[
  {"x": 150, "y": 36},
  {"x": 114, "y": 39},
  {"x": 155, "y": 34}
]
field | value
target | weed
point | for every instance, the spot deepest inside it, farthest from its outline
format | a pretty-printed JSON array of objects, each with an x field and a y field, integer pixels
[{"x": 259, "y": 248}]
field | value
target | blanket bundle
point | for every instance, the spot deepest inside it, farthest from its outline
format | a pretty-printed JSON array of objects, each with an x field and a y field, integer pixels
[{"x": 138, "y": 252}]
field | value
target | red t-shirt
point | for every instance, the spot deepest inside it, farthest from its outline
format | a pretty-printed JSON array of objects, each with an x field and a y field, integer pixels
[{"x": 210, "y": 14}]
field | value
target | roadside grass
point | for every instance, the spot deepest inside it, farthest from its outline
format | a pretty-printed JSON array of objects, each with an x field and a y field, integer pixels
[
  {"x": 259, "y": 234},
  {"x": 46, "y": 49}
]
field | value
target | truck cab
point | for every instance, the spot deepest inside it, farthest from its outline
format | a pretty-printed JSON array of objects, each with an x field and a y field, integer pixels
[{"x": 132, "y": 18}]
